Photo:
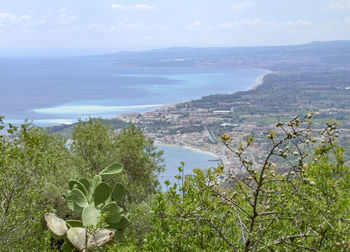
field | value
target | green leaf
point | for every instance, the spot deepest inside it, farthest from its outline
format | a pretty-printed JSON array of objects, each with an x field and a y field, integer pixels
[
  {"x": 76, "y": 184},
  {"x": 67, "y": 247},
  {"x": 77, "y": 236},
  {"x": 113, "y": 213},
  {"x": 118, "y": 235},
  {"x": 122, "y": 224},
  {"x": 78, "y": 198},
  {"x": 101, "y": 193},
  {"x": 56, "y": 225},
  {"x": 118, "y": 192},
  {"x": 85, "y": 183},
  {"x": 69, "y": 201},
  {"x": 91, "y": 215},
  {"x": 95, "y": 181},
  {"x": 112, "y": 169},
  {"x": 74, "y": 223},
  {"x": 72, "y": 205}
]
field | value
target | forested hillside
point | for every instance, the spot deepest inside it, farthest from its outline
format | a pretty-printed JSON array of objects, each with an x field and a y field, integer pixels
[
  {"x": 94, "y": 186},
  {"x": 294, "y": 198}
]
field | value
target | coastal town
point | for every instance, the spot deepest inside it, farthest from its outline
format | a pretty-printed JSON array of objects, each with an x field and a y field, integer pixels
[
  {"x": 199, "y": 124},
  {"x": 196, "y": 129},
  {"x": 171, "y": 134}
]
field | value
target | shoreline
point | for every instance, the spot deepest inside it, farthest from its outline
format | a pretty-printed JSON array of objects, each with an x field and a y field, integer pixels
[
  {"x": 64, "y": 121},
  {"x": 259, "y": 80},
  {"x": 186, "y": 147}
]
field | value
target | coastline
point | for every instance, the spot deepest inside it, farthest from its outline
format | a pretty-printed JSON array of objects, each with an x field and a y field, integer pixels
[
  {"x": 206, "y": 152},
  {"x": 260, "y": 80}
]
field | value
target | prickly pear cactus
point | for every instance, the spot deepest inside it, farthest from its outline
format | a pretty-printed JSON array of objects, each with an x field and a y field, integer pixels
[{"x": 101, "y": 217}]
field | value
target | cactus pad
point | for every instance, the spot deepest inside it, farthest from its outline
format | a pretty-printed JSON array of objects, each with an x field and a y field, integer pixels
[
  {"x": 101, "y": 193},
  {"x": 77, "y": 236},
  {"x": 112, "y": 169},
  {"x": 113, "y": 215},
  {"x": 55, "y": 224},
  {"x": 91, "y": 215},
  {"x": 76, "y": 184},
  {"x": 118, "y": 192},
  {"x": 99, "y": 238}
]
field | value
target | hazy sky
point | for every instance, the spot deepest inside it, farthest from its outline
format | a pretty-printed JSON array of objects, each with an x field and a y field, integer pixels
[{"x": 144, "y": 24}]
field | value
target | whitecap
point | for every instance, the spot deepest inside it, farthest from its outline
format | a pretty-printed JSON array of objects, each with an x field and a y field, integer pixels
[
  {"x": 42, "y": 122},
  {"x": 91, "y": 109}
]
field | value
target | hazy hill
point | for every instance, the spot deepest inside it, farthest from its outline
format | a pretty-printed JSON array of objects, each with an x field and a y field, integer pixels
[{"x": 314, "y": 54}]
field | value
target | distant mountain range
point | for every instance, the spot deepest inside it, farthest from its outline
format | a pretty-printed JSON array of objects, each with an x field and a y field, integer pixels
[
  {"x": 314, "y": 54},
  {"x": 313, "y": 76}
]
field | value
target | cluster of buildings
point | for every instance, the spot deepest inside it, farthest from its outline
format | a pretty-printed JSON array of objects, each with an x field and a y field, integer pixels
[{"x": 199, "y": 129}]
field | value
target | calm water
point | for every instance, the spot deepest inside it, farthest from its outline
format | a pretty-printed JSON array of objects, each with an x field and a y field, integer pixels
[
  {"x": 55, "y": 91},
  {"x": 173, "y": 157}
]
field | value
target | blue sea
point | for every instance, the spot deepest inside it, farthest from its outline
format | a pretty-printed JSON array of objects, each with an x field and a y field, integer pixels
[
  {"x": 54, "y": 91},
  {"x": 51, "y": 91},
  {"x": 173, "y": 157}
]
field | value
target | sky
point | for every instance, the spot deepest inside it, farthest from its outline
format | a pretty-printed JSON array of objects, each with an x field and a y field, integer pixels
[{"x": 118, "y": 25}]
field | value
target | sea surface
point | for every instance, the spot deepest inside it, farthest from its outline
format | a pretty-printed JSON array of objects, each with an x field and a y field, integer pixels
[
  {"x": 173, "y": 157},
  {"x": 58, "y": 91},
  {"x": 51, "y": 91}
]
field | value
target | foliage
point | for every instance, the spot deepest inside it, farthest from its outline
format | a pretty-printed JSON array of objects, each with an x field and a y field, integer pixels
[
  {"x": 140, "y": 226},
  {"x": 101, "y": 217},
  {"x": 301, "y": 205},
  {"x": 93, "y": 145},
  {"x": 96, "y": 145},
  {"x": 142, "y": 162},
  {"x": 54, "y": 184},
  {"x": 37, "y": 166},
  {"x": 24, "y": 164}
]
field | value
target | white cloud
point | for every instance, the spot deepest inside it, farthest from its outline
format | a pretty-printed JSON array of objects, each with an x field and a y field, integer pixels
[
  {"x": 122, "y": 27},
  {"x": 11, "y": 18},
  {"x": 249, "y": 21},
  {"x": 259, "y": 21},
  {"x": 242, "y": 6},
  {"x": 299, "y": 22},
  {"x": 339, "y": 5},
  {"x": 254, "y": 22},
  {"x": 132, "y": 7},
  {"x": 347, "y": 20},
  {"x": 128, "y": 27},
  {"x": 193, "y": 26},
  {"x": 60, "y": 17},
  {"x": 226, "y": 25}
]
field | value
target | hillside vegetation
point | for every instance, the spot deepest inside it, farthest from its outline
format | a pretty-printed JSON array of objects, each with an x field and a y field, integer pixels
[{"x": 295, "y": 198}]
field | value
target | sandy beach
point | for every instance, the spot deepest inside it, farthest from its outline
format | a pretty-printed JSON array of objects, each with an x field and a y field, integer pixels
[
  {"x": 189, "y": 148},
  {"x": 259, "y": 80}
]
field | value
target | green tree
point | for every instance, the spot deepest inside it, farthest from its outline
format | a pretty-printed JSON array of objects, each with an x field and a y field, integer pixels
[
  {"x": 294, "y": 199},
  {"x": 95, "y": 145},
  {"x": 142, "y": 162},
  {"x": 24, "y": 164},
  {"x": 55, "y": 181}
]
